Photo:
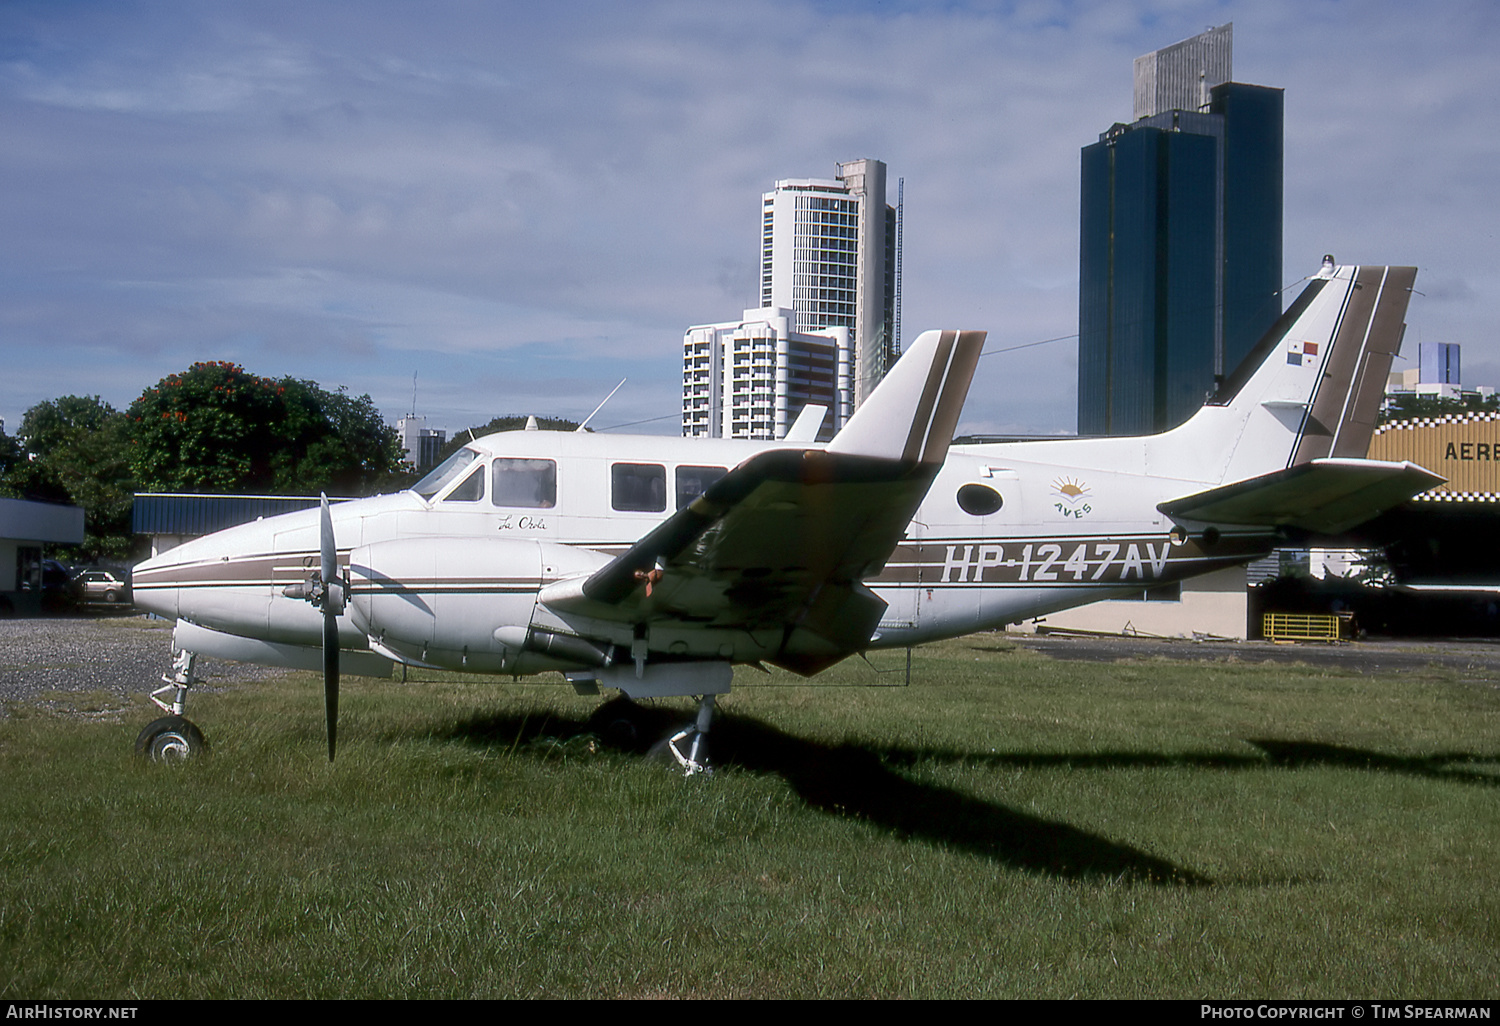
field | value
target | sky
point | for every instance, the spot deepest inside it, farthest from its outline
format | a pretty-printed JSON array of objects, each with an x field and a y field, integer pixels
[{"x": 470, "y": 209}]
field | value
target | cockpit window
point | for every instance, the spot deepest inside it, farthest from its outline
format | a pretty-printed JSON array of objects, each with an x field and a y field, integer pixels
[
  {"x": 528, "y": 483},
  {"x": 694, "y": 481},
  {"x": 638, "y": 486},
  {"x": 445, "y": 473},
  {"x": 472, "y": 489}
]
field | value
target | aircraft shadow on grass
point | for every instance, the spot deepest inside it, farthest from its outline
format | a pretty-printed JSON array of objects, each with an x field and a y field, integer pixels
[
  {"x": 1447, "y": 767},
  {"x": 866, "y": 783},
  {"x": 859, "y": 782}
]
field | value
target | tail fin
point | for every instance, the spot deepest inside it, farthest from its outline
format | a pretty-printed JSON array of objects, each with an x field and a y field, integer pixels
[
  {"x": 911, "y": 416},
  {"x": 1311, "y": 388},
  {"x": 1293, "y": 423},
  {"x": 1342, "y": 418}
]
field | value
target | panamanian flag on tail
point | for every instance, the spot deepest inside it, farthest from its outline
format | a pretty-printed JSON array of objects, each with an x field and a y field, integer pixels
[{"x": 1296, "y": 351}]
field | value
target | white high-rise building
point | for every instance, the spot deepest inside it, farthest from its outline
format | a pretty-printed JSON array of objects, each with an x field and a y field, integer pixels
[
  {"x": 825, "y": 331},
  {"x": 751, "y": 378},
  {"x": 421, "y": 442},
  {"x": 1182, "y": 76},
  {"x": 828, "y": 253}
]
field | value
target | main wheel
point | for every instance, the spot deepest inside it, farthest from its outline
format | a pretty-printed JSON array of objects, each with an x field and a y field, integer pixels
[
  {"x": 171, "y": 739},
  {"x": 622, "y": 724}
]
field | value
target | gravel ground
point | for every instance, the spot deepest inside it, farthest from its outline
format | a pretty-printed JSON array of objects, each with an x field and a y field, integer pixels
[
  {"x": 126, "y": 655},
  {"x": 121, "y": 655}
]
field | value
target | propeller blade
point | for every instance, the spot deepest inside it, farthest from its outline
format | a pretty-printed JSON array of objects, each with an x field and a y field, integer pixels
[
  {"x": 333, "y": 605},
  {"x": 331, "y": 679},
  {"x": 328, "y": 562}
]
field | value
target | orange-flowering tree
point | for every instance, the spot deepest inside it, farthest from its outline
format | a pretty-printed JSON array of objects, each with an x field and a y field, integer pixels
[{"x": 217, "y": 428}]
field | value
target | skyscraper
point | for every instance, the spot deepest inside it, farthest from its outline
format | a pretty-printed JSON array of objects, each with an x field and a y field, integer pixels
[
  {"x": 824, "y": 332},
  {"x": 828, "y": 253},
  {"x": 1180, "y": 239}
]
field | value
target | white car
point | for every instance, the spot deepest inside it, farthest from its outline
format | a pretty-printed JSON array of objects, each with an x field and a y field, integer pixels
[{"x": 102, "y": 586}]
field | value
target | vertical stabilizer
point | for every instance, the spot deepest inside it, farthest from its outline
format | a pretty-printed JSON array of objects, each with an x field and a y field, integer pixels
[
  {"x": 1310, "y": 389},
  {"x": 912, "y": 415},
  {"x": 1346, "y": 405}
]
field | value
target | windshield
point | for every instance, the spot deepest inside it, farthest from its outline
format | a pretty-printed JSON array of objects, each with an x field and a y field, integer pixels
[{"x": 444, "y": 473}]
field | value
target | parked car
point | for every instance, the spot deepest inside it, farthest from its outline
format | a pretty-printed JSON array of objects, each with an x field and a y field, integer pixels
[{"x": 100, "y": 585}]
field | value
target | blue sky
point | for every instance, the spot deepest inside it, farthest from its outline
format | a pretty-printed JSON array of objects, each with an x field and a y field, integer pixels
[{"x": 523, "y": 203}]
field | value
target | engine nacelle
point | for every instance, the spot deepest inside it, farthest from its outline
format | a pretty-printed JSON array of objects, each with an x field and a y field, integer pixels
[{"x": 440, "y": 601}]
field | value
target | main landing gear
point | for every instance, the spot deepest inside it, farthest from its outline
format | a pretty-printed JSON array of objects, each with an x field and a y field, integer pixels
[
  {"x": 172, "y": 738},
  {"x": 689, "y": 746},
  {"x": 704, "y": 680},
  {"x": 622, "y": 724}
]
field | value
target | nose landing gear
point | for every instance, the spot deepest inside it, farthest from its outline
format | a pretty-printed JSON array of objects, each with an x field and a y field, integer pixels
[{"x": 173, "y": 739}]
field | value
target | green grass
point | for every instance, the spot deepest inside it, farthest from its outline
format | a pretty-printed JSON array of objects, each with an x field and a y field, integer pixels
[{"x": 1007, "y": 826}]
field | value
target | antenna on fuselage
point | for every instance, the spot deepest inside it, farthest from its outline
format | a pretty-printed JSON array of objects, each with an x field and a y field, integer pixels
[{"x": 607, "y": 398}]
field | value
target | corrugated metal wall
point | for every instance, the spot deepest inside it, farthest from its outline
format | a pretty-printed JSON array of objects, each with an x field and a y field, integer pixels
[
  {"x": 1464, "y": 448},
  {"x": 192, "y": 515}
]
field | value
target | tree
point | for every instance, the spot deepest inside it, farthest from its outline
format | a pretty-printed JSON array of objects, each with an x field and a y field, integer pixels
[
  {"x": 217, "y": 428},
  {"x": 211, "y": 429},
  {"x": 11, "y": 458},
  {"x": 76, "y": 449},
  {"x": 343, "y": 442}
]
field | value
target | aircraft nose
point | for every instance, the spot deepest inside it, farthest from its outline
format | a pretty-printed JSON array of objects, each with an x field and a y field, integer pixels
[{"x": 155, "y": 585}]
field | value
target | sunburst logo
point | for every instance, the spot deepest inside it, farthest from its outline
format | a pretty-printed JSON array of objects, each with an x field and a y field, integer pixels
[{"x": 1071, "y": 490}]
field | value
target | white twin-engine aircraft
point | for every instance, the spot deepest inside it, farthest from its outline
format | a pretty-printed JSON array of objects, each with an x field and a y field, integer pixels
[{"x": 653, "y": 564}]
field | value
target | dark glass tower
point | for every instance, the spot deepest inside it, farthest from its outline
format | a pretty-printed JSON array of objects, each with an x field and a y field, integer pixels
[{"x": 1180, "y": 251}]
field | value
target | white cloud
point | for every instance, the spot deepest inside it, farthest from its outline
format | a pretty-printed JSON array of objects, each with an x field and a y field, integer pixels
[{"x": 306, "y": 187}]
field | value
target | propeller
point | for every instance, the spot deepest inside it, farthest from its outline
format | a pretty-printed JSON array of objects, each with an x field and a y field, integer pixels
[
  {"x": 333, "y": 605},
  {"x": 325, "y": 590}
]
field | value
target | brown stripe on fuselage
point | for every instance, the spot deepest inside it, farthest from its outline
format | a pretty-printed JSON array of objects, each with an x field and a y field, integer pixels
[{"x": 269, "y": 568}]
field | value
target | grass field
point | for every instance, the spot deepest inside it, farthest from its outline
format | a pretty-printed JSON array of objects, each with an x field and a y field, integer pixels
[{"x": 1007, "y": 826}]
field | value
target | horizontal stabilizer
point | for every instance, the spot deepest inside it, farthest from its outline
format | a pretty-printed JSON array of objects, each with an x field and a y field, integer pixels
[{"x": 1325, "y": 496}]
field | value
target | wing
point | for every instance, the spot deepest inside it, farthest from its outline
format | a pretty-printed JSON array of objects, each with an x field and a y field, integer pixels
[
  {"x": 786, "y": 539},
  {"x": 1326, "y": 495}
]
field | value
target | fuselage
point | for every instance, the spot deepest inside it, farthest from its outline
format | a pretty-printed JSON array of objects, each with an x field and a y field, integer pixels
[
  {"x": 446, "y": 578},
  {"x": 509, "y": 557}
]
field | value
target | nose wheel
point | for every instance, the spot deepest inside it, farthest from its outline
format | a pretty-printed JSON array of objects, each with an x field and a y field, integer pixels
[{"x": 171, "y": 739}]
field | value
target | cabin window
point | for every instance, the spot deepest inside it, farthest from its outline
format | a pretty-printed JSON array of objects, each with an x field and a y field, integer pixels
[
  {"x": 638, "y": 486},
  {"x": 694, "y": 481},
  {"x": 528, "y": 483},
  {"x": 979, "y": 500},
  {"x": 472, "y": 489},
  {"x": 444, "y": 473}
]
